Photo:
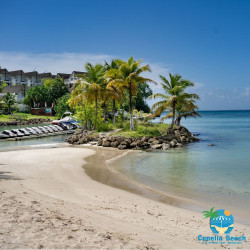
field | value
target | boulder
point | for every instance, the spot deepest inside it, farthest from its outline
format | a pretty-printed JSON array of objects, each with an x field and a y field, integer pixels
[
  {"x": 124, "y": 143},
  {"x": 154, "y": 142},
  {"x": 156, "y": 146},
  {"x": 114, "y": 144},
  {"x": 99, "y": 143},
  {"x": 165, "y": 146},
  {"x": 106, "y": 143},
  {"x": 172, "y": 143},
  {"x": 178, "y": 144},
  {"x": 169, "y": 137},
  {"x": 133, "y": 144},
  {"x": 122, "y": 146}
]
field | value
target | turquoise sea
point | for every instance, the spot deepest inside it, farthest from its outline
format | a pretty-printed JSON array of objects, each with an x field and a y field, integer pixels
[{"x": 210, "y": 175}]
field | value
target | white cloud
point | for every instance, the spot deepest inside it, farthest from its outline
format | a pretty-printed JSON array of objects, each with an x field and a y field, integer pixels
[
  {"x": 50, "y": 62},
  {"x": 246, "y": 92}
]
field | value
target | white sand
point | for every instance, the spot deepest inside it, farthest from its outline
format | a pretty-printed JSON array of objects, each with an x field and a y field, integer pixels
[{"x": 47, "y": 201}]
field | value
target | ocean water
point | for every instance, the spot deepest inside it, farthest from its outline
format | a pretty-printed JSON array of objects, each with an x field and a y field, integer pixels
[{"x": 210, "y": 175}]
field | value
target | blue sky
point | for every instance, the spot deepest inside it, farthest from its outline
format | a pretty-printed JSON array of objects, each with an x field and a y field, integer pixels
[{"x": 205, "y": 41}]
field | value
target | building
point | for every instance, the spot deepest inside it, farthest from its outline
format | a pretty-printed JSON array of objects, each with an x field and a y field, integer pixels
[{"x": 19, "y": 82}]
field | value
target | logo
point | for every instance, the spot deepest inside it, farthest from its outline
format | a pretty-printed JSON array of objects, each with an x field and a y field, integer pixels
[
  {"x": 221, "y": 221},
  {"x": 221, "y": 224}
]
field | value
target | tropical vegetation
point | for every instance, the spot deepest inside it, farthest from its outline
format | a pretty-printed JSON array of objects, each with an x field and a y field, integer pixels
[
  {"x": 111, "y": 95},
  {"x": 175, "y": 100}
]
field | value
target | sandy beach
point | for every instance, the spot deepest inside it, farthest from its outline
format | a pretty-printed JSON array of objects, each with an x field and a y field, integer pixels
[{"x": 48, "y": 200}]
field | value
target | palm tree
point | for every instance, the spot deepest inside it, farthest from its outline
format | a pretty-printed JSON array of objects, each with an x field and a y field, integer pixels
[
  {"x": 174, "y": 90},
  {"x": 127, "y": 77},
  {"x": 90, "y": 85},
  {"x": 210, "y": 214},
  {"x": 9, "y": 100},
  {"x": 113, "y": 91},
  {"x": 185, "y": 108}
]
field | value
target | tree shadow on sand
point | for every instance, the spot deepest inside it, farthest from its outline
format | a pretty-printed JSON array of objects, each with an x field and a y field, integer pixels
[{"x": 7, "y": 176}]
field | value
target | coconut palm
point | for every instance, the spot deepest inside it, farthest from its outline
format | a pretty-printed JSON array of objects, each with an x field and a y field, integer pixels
[
  {"x": 90, "y": 86},
  {"x": 185, "y": 108},
  {"x": 174, "y": 92},
  {"x": 113, "y": 91},
  {"x": 210, "y": 214},
  {"x": 128, "y": 77}
]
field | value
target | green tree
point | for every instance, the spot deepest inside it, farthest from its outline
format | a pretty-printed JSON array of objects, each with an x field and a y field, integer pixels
[
  {"x": 56, "y": 88},
  {"x": 128, "y": 76},
  {"x": 35, "y": 96},
  {"x": 9, "y": 100},
  {"x": 2, "y": 86},
  {"x": 113, "y": 91},
  {"x": 174, "y": 92},
  {"x": 62, "y": 105},
  {"x": 89, "y": 87}
]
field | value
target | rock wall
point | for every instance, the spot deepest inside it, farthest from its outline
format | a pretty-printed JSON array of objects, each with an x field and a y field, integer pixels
[{"x": 176, "y": 137}]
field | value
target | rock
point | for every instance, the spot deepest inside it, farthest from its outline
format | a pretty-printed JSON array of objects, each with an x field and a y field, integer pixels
[
  {"x": 112, "y": 138},
  {"x": 144, "y": 139},
  {"x": 124, "y": 143},
  {"x": 156, "y": 146},
  {"x": 172, "y": 143},
  {"x": 128, "y": 140},
  {"x": 114, "y": 144},
  {"x": 153, "y": 142},
  {"x": 178, "y": 144},
  {"x": 165, "y": 146},
  {"x": 106, "y": 143},
  {"x": 211, "y": 144},
  {"x": 121, "y": 146},
  {"x": 133, "y": 144},
  {"x": 99, "y": 143},
  {"x": 169, "y": 137}
]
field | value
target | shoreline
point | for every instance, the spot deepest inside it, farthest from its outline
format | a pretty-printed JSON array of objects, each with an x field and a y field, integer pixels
[{"x": 49, "y": 199}]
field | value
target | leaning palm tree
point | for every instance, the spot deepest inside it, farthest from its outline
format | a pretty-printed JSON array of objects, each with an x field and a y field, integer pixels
[
  {"x": 174, "y": 91},
  {"x": 128, "y": 77},
  {"x": 185, "y": 108}
]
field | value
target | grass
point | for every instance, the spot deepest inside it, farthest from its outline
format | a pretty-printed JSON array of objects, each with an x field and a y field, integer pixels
[
  {"x": 7, "y": 118},
  {"x": 143, "y": 129}
]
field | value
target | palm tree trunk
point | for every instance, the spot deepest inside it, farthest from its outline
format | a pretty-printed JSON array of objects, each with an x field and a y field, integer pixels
[
  {"x": 113, "y": 111},
  {"x": 178, "y": 120},
  {"x": 173, "y": 118},
  {"x": 131, "y": 109},
  {"x": 104, "y": 112},
  {"x": 95, "y": 111}
]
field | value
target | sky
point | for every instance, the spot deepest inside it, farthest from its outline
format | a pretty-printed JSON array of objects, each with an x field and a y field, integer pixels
[{"x": 206, "y": 41}]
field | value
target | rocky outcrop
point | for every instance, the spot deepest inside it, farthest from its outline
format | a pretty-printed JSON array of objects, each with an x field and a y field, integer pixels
[
  {"x": 25, "y": 122},
  {"x": 176, "y": 137}
]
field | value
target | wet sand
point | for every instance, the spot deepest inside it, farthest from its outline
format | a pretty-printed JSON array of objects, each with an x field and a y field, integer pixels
[{"x": 48, "y": 201}]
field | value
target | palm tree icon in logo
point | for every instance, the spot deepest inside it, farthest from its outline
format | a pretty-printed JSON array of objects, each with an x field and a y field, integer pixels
[{"x": 221, "y": 221}]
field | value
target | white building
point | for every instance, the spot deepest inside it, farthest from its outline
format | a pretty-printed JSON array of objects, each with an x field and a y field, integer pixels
[{"x": 19, "y": 82}]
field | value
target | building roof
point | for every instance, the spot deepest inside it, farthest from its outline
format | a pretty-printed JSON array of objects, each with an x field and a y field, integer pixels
[
  {"x": 63, "y": 75},
  {"x": 46, "y": 75},
  {"x": 16, "y": 72},
  {"x": 13, "y": 89},
  {"x": 30, "y": 74},
  {"x": 3, "y": 71},
  {"x": 79, "y": 73}
]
